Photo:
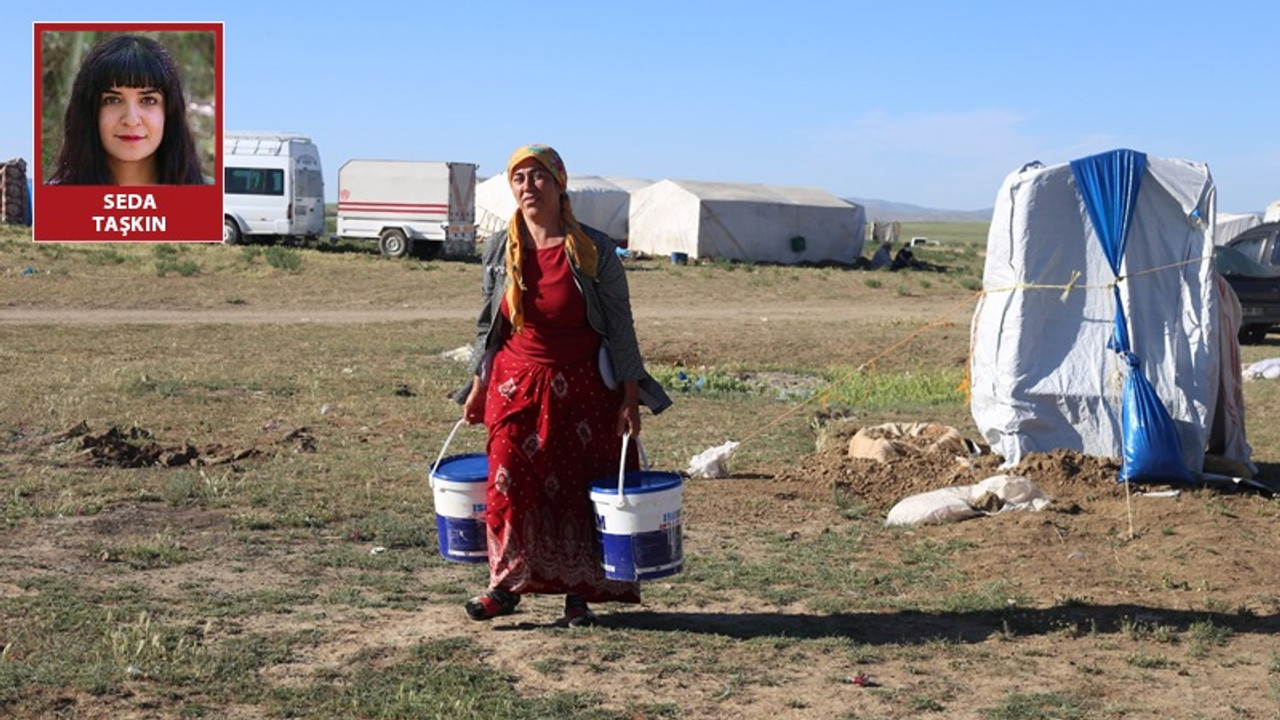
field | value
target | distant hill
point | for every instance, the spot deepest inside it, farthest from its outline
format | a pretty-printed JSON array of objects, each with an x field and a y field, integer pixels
[{"x": 886, "y": 211}]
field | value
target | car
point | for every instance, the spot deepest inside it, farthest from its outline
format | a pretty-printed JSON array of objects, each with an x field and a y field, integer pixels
[
  {"x": 1258, "y": 288},
  {"x": 1260, "y": 243}
]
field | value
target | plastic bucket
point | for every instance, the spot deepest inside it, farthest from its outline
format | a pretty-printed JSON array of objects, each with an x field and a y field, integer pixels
[
  {"x": 638, "y": 520},
  {"x": 679, "y": 258},
  {"x": 458, "y": 485}
]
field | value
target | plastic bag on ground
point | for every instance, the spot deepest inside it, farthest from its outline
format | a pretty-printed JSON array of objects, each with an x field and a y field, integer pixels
[
  {"x": 1014, "y": 491},
  {"x": 1268, "y": 369},
  {"x": 712, "y": 462}
]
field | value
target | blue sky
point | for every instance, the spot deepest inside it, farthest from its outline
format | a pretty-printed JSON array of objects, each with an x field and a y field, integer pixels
[{"x": 931, "y": 103}]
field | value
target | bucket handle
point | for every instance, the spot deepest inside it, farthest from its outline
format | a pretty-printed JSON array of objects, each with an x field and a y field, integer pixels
[
  {"x": 622, "y": 465},
  {"x": 436, "y": 465}
]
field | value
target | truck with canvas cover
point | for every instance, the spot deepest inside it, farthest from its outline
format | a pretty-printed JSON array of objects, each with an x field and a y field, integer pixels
[
  {"x": 273, "y": 187},
  {"x": 420, "y": 207}
]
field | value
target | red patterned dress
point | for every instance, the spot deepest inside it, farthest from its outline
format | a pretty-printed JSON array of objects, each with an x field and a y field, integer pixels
[{"x": 552, "y": 430}]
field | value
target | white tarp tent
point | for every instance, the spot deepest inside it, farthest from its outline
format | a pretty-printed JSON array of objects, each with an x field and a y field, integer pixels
[
  {"x": 1043, "y": 376},
  {"x": 1273, "y": 212},
  {"x": 596, "y": 202},
  {"x": 1228, "y": 226},
  {"x": 494, "y": 205},
  {"x": 629, "y": 184},
  {"x": 754, "y": 223}
]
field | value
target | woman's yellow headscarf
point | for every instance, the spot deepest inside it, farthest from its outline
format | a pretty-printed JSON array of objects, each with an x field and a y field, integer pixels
[{"x": 581, "y": 249}]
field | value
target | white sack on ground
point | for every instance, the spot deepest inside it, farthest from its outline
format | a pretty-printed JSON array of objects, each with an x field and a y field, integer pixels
[
  {"x": 1268, "y": 369},
  {"x": 460, "y": 354},
  {"x": 1014, "y": 491},
  {"x": 890, "y": 440},
  {"x": 933, "y": 508},
  {"x": 999, "y": 493}
]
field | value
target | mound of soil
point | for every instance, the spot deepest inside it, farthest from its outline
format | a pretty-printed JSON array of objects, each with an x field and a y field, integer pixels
[
  {"x": 136, "y": 447},
  {"x": 1068, "y": 477}
]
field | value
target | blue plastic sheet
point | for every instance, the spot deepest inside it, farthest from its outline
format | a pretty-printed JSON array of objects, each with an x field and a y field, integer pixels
[
  {"x": 1109, "y": 184},
  {"x": 1152, "y": 452}
]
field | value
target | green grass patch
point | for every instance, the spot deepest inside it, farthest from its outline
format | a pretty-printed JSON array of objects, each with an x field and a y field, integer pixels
[
  {"x": 283, "y": 258},
  {"x": 109, "y": 256},
  {"x": 174, "y": 259},
  {"x": 163, "y": 549},
  {"x": 183, "y": 267},
  {"x": 835, "y": 572},
  {"x": 100, "y": 641},
  {"x": 1203, "y": 635},
  {"x": 1037, "y": 706},
  {"x": 442, "y": 678},
  {"x": 709, "y": 381},
  {"x": 249, "y": 603},
  {"x": 903, "y": 390},
  {"x": 1151, "y": 662}
]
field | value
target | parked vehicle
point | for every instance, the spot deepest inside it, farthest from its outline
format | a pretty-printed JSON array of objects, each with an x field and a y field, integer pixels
[
  {"x": 1260, "y": 243},
  {"x": 272, "y": 187},
  {"x": 424, "y": 208},
  {"x": 1258, "y": 288}
]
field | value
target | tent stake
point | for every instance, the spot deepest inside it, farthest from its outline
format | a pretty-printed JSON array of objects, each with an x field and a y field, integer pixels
[{"x": 1128, "y": 506}]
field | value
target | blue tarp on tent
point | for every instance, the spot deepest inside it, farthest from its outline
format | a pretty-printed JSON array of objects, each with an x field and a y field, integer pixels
[{"x": 1108, "y": 184}]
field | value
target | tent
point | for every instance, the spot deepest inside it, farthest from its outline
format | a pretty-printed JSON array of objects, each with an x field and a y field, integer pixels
[
  {"x": 629, "y": 184},
  {"x": 1273, "y": 212},
  {"x": 596, "y": 202},
  {"x": 1058, "y": 340},
  {"x": 1228, "y": 226},
  {"x": 754, "y": 223}
]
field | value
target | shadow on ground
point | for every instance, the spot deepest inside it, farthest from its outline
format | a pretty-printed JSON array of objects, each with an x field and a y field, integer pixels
[{"x": 969, "y": 627}]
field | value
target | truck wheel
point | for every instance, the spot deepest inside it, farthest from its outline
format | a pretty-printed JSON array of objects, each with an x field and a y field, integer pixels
[
  {"x": 231, "y": 234},
  {"x": 394, "y": 243}
]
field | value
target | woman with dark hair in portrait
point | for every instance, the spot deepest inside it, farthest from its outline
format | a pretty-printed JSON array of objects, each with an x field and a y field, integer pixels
[{"x": 126, "y": 121}]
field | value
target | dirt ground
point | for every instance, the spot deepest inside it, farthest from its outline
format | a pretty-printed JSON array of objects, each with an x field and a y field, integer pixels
[
  {"x": 1105, "y": 571},
  {"x": 1090, "y": 579}
]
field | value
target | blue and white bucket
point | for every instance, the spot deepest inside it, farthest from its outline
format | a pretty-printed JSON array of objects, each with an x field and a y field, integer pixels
[
  {"x": 458, "y": 484},
  {"x": 638, "y": 519}
]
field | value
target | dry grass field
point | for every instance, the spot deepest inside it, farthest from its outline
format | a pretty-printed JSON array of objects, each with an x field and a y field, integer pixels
[{"x": 213, "y": 469}]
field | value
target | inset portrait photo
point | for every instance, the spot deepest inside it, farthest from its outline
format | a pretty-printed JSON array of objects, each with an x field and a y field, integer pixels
[{"x": 128, "y": 132}]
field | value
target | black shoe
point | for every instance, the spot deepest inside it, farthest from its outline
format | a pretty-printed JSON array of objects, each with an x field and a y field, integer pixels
[{"x": 576, "y": 613}]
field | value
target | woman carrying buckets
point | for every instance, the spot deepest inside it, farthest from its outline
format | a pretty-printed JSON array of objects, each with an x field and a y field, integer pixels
[{"x": 558, "y": 382}]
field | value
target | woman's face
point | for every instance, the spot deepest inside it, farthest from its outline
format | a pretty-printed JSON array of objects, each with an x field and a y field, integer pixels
[
  {"x": 536, "y": 189},
  {"x": 131, "y": 123}
]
